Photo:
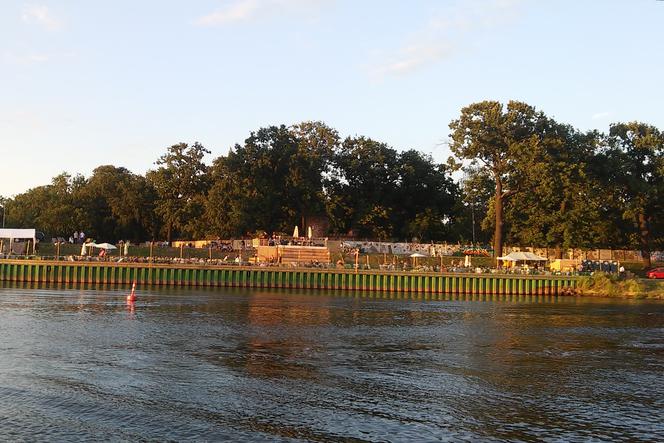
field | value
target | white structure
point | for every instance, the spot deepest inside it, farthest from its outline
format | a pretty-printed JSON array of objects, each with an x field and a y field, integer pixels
[{"x": 22, "y": 234}]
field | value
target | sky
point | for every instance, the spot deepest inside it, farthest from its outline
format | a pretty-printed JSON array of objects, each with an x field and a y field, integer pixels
[{"x": 86, "y": 83}]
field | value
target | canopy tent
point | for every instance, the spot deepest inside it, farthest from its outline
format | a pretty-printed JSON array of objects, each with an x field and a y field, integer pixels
[
  {"x": 415, "y": 256},
  {"x": 522, "y": 256},
  {"x": 106, "y": 246},
  {"x": 23, "y": 234},
  {"x": 513, "y": 258}
]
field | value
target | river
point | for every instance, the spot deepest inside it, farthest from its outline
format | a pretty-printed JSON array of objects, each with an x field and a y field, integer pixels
[{"x": 259, "y": 365}]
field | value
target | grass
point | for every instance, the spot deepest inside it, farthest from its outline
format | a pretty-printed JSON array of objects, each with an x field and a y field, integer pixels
[
  {"x": 49, "y": 250},
  {"x": 612, "y": 285}
]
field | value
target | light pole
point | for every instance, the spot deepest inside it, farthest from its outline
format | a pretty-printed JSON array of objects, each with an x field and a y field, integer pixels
[
  {"x": 473, "y": 217},
  {"x": 3, "y": 215}
]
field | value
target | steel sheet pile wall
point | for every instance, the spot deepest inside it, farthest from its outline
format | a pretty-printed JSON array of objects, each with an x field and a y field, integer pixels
[{"x": 296, "y": 278}]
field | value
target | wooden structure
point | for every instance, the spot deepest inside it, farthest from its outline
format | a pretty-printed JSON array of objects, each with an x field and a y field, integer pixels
[{"x": 295, "y": 254}]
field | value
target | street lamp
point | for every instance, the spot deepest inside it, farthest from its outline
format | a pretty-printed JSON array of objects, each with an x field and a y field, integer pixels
[{"x": 473, "y": 216}]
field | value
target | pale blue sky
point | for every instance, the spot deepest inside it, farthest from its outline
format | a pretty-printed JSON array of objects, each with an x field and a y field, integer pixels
[{"x": 85, "y": 83}]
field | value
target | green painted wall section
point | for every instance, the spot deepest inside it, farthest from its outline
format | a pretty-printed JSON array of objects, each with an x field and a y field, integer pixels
[{"x": 256, "y": 277}]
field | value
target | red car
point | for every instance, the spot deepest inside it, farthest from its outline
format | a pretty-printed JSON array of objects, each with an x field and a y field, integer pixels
[{"x": 656, "y": 273}]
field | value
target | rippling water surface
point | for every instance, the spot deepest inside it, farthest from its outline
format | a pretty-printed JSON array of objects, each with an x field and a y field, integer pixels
[{"x": 248, "y": 365}]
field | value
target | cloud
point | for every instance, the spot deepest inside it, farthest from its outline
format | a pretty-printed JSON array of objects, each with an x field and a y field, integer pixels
[
  {"x": 247, "y": 10},
  {"x": 235, "y": 12},
  {"x": 34, "y": 58},
  {"x": 40, "y": 15},
  {"x": 443, "y": 35},
  {"x": 600, "y": 115},
  {"x": 409, "y": 59}
]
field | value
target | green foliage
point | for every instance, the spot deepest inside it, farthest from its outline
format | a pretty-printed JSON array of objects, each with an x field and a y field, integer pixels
[
  {"x": 612, "y": 285},
  {"x": 181, "y": 183},
  {"x": 634, "y": 173},
  {"x": 500, "y": 143},
  {"x": 272, "y": 182},
  {"x": 526, "y": 176}
]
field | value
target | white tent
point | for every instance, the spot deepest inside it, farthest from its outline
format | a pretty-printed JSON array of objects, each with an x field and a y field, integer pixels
[
  {"x": 415, "y": 256},
  {"x": 514, "y": 258},
  {"x": 106, "y": 246},
  {"x": 24, "y": 234},
  {"x": 522, "y": 256}
]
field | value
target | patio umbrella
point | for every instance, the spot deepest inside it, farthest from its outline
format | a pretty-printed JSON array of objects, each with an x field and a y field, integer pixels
[
  {"x": 106, "y": 246},
  {"x": 296, "y": 232}
]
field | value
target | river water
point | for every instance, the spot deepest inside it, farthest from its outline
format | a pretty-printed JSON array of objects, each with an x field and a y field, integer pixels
[{"x": 249, "y": 365}]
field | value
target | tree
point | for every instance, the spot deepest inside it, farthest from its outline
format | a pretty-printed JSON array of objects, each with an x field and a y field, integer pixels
[
  {"x": 118, "y": 204},
  {"x": 426, "y": 195},
  {"x": 180, "y": 184},
  {"x": 473, "y": 217},
  {"x": 317, "y": 145},
  {"x": 362, "y": 189},
  {"x": 562, "y": 207},
  {"x": 273, "y": 181},
  {"x": 637, "y": 180},
  {"x": 53, "y": 209},
  {"x": 498, "y": 142}
]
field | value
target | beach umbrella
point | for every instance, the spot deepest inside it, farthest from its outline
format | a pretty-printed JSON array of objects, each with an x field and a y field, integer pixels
[
  {"x": 296, "y": 232},
  {"x": 310, "y": 232}
]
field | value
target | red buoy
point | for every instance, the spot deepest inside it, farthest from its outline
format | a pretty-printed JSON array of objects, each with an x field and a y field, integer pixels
[{"x": 132, "y": 295}]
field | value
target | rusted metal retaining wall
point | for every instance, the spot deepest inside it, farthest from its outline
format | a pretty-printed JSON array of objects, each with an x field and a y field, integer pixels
[{"x": 104, "y": 273}]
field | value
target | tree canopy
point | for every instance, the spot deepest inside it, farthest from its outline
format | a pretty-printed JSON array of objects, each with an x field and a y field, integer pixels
[{"x": 527, "y": 179}]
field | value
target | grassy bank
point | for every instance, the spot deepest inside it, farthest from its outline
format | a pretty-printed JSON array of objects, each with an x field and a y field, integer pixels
[{"x": 608, "y": 285}]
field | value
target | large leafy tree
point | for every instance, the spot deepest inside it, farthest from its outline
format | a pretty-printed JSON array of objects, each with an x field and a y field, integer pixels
[
  {"x": 363, "y": 188},
  {"x": 500, "y": 142},
  {"x": 54, "y": 208},
  {"x": 561, "y": 208},
  {"x": 249, "y": 190},
  {"x": 317, "y": 144},
  {"x": 273, "y": 181},
  {"x": 426, "y": 195},
  {"x": 471, "y": 221},
  {"x": 181, "y": 182},
  {"x": 118, "y": 204},
  {"x": 635, "y": 151}
]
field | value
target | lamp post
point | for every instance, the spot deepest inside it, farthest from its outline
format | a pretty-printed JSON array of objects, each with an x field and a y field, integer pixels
[
  {"x": 3, "y": 215},
  {"x": 473, "y": 217}
]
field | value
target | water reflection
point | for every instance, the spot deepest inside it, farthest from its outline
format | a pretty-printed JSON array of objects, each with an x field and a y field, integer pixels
[{"x": 209, "y": 364}]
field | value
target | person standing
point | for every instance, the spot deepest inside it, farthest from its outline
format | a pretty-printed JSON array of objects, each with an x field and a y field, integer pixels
[
  {"x": 75, "y": 237},
  {"x": 82, "y": 236}
]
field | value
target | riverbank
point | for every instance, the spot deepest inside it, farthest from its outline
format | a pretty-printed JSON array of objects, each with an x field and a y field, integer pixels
[
  {"x": 607, "y": 285},
  {"x": 192, "y": 275}
]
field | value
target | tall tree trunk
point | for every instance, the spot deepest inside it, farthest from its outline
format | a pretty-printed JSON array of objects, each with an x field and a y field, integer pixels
[
  {"x": 644, "y": 231},
  {"x": 559, "y": 252},
  {"x": 559, "y": 248},
  {"x": 498, "y": 232},
  {"x": 169, "y": 233}
]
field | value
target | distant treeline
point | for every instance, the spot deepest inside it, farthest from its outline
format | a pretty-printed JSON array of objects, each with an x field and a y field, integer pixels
[{"x": 527, "y": 179}]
